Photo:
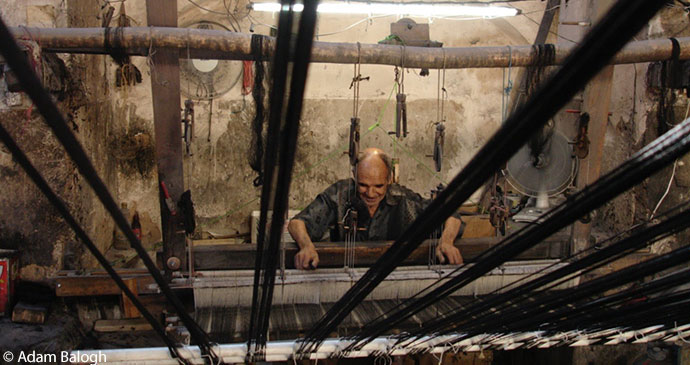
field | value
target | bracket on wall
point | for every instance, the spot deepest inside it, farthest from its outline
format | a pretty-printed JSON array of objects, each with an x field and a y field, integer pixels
[{"x": 406, "y": 32}]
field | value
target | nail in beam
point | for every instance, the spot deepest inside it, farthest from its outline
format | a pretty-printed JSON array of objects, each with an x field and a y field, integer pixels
[{"x": 216, "y": 44}]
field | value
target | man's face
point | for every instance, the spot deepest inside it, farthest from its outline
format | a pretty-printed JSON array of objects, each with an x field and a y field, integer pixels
[{"x": 373, "y": 182}]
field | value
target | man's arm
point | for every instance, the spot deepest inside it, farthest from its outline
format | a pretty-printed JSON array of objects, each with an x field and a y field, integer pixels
[
  {"x": 307, "y": 253},
  {"x": 446, "y": 249}
]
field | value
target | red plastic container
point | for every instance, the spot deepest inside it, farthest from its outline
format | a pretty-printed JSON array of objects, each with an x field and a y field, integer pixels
[{"x": 8, "y": 275}]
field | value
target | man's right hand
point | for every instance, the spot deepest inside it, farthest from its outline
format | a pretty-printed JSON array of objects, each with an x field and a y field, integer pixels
[{"x": 307, "y": 258}]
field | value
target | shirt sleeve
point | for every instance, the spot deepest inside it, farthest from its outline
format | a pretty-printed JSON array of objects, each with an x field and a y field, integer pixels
[{"x": 320, "y": 213}]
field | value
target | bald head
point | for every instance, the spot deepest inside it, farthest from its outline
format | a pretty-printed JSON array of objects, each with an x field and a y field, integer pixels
[
  {"x": 374, "y": 159},
  {"x": 373, "y": 177}
]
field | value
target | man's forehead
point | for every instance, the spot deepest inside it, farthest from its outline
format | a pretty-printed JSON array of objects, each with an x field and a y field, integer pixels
[{"x": 372, "y": 165}]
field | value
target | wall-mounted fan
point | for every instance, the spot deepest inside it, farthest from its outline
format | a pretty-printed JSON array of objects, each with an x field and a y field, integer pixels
[
  {"x": 208, "y": 79},
  {"x": 542, "y": 174}
]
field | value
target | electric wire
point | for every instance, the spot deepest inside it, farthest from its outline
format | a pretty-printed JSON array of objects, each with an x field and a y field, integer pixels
[
  {"x": 623, "y": 20},
  {"x": 44, "y": 103}
]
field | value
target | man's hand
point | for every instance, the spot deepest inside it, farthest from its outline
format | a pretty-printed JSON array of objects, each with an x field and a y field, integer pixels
[
  {"x": 307, "y": 258},
  {"x": 447, "y": 253}
]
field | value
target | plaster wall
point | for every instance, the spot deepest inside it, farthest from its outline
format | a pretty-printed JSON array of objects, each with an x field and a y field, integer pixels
[
  {"x": 115, "y": 124},
  {"x": 218, "y": 172}
]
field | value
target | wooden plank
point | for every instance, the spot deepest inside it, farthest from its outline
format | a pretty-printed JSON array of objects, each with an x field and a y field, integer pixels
[
  {"x": 87, "y": 285},
  {"x": 121, "y": 325},
  {"x": 215, "y": 242},
  {"x": 478, "y": 226},
  {"x": 229, "y": 257},
  {"x": 596, "y": 101},
  {"x": 165, "y": 90},
  {"x": 128, "y": 308},
  {"x": 29, "y": 313}
]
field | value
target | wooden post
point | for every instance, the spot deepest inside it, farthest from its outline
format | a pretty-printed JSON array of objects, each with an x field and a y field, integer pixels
[
  {"x": 165, "y": 90},
  {"x": 596, "y": 101},
  {"x": 128, "y": 308}
]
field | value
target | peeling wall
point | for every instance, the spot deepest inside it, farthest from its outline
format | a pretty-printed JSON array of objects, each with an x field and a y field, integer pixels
[
  {"x": 28, "y": 222},
  {"x": 218, "y": 173}
]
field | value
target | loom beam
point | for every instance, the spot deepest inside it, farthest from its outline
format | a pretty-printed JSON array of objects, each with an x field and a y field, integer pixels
[
  {"x": 238, "y": 257},
  {"x": 216, "y": 44}
]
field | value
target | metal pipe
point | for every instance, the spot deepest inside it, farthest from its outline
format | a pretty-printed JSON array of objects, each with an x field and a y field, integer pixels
[{"x": 217, "y": 44}]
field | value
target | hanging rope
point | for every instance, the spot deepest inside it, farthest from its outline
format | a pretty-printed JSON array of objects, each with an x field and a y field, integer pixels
[
  {"x": 507, "y": 88},
  {"x": 349, "y": 220},
  {"x": 256, "y": 153}
]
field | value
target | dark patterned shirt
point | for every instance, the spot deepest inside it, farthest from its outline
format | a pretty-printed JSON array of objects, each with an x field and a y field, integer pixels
[{"x": 398, "y": 209}]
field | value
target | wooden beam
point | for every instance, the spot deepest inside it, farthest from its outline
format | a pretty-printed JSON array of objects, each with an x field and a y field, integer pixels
[
  {"x": 216, "y": 44},
  {"x": 596, "y": 101},
  {"x": 129, "y": 310},
  {"x": 165, "y": 90},
  {"x": 29, "y": 313},
  {"x": 94, "y": 284},
  {"x": 121, "y": 325},
  {"x": 242, "y": 256}
]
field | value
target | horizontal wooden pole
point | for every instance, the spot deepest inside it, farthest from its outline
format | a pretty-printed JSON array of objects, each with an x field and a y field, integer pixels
[
  {"x": 242, "y": 256},
  {"x": 97, "y": 284},
  {"x": 217, "y": 44}
]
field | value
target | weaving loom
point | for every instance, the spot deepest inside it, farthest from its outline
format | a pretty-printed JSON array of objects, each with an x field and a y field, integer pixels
[
  {"x": 431, "y": 306},
  {"x": 222, "y": 298}
]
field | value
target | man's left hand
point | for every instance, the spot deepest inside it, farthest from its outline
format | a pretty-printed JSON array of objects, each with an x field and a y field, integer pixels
[{"x": 448, "y": 254}]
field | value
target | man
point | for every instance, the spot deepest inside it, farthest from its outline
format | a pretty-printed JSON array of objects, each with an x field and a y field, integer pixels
[{"x": 384, "y": 209}]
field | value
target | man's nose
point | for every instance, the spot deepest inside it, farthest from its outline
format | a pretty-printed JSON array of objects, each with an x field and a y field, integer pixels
[{"x": 371, "y": 193}]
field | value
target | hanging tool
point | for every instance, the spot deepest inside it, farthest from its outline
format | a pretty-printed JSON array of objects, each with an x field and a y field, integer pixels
[
  {"x": 354, "y": 121},
  {"x": 582, "y": 141},
  {"x": 188, "y": 125},
  {"x": 401, "y": 104},
  {"x": 438, "y": 145},
  {"x": 439, "y": 135},
  {"x": 354, "y": 141},
  {"x": 401, "y": 115}
]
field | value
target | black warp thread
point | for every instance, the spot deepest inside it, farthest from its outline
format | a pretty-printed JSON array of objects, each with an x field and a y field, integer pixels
[
  {"x": 256, "y": 152},
  {"x": 545, "y": 56},
  {"x": 115, "y": 50},
  {"x": 665, "y": 113}
]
